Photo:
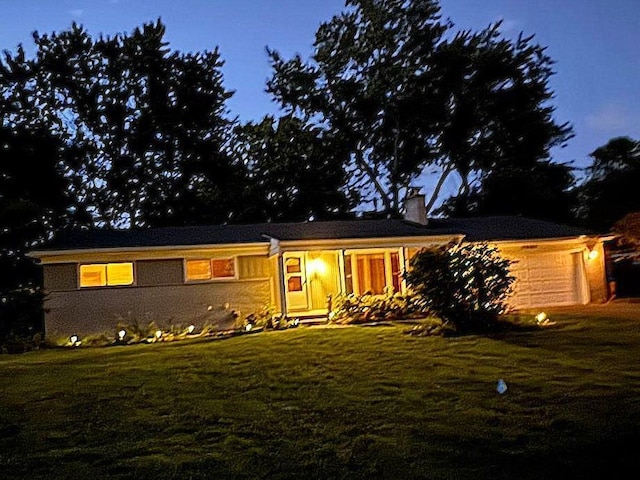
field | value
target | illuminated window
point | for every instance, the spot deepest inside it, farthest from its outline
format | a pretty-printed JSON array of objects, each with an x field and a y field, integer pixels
[
  {"x": 372, "y": 272},
  {"x": 106, "y": 274},
  {"x": 210, "y": 269}
]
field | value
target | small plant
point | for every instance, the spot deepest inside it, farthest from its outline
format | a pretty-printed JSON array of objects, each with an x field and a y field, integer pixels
[
  {"x": 268, "y": 319},
  {"x": 354, "y": 309},
  {"x": 467, "y": 286}
]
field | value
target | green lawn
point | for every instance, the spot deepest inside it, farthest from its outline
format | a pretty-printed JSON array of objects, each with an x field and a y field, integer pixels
[{"x": 357, "y": 402}]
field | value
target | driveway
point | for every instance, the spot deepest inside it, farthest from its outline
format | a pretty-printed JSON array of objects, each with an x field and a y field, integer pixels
[{"x": 624, "y": 308}]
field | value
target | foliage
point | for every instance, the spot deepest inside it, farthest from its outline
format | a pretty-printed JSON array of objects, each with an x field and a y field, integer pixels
[
  {"x": 628, "y": 227},
  {"x": 148, "y": 124},
  {"x": 354, "y": 309},
  {"x": 467, "y": 285},
  {"x": 295, "y": 173},
  {"x": 402, "y": 91},
  {"x": 542, "y": 190},
  {"x": 268, "y": 319},
  {"x": 34, "y": 195},
  {"x": 610, "y": 189}
]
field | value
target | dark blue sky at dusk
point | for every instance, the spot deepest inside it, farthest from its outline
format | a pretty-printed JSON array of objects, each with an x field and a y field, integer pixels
[{"x": 595, "y": 43}]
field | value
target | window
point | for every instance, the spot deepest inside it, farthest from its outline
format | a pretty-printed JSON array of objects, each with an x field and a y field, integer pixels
[
  {"x": 372, "y": 272},
  {"x": 210, "y": 269},
  {"x": 106, "y": 274}
]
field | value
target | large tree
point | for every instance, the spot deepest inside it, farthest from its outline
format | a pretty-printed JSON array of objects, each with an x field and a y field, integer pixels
[
  {"x": 149, "y": 124},
  {"x": 610, "y": 190},
  {"x": 405, "y": 91},
  {"x": 542, "y": 190},
  {"x": 295, "y": 172},
  {"x": 34, "y": 194}
]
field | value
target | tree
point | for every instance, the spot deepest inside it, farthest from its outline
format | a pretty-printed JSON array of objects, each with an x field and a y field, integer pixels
[
  {"x": 544, "y": 190},
  {"x": 609, "y": 191},
  {"x": 149, "y": 126},
  {"x": 34, "y": 198},
  {"x": 295, "y": 172},
  {"x": 395, "y": 84}
]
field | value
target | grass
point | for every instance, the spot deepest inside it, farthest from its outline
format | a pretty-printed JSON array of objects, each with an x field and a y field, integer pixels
[{"x": 357, "y": 402}]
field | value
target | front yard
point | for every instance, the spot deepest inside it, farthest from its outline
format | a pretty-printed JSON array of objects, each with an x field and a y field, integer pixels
[{"x": 355, "y": 402}]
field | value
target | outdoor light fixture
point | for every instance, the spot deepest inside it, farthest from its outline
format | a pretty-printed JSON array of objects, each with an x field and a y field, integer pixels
[
  {"x": 191, "y": 328},
  {"x": 593, "y": 254},
  {"x": 248, "y": 327},
  {"x": 73, "y": 339},
  {"x": 317, "y": 266},
  {"x": 541, "y": 317},
  {"x": 122, "y": 334},
  {"x": 158, "y": 333}
]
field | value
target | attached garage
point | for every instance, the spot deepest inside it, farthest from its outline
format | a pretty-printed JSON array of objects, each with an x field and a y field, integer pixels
[{"x": 549, "y": 278}]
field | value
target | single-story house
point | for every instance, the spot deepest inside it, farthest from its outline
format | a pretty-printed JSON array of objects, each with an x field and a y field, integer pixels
[{"x": 193, "y": 275}]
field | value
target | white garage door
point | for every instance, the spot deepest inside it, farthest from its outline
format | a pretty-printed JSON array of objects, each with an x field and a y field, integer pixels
[{"x": 548, "y": 279}]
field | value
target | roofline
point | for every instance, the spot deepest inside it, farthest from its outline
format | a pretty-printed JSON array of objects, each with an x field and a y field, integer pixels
[
  {"x": 405, "y": 241},
  {"x": 582, "y": 238},
  {"x": 253, "y": 246}
]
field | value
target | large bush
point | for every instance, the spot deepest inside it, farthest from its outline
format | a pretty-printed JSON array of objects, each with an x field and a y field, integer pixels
[{"x": 466, "y": 285}]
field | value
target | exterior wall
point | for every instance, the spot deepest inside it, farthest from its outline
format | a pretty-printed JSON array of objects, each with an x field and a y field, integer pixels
[
  {"x": 159, "y": 294},
  {"x": 589, "y": 273},
  {"x": 59, "y": 277},
  {"x": 159, "y": 272},
  {"x": 91, "y": 311},
  {"x": 596, "y": 274}
]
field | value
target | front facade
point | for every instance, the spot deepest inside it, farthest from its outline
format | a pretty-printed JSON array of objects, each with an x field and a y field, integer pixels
[{"x": 211, "y": 275}]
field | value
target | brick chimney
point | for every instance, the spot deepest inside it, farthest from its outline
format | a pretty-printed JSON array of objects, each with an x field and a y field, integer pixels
[{"x": 415, "y": 209}]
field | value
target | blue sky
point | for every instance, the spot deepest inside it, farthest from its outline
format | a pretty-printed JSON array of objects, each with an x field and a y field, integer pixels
[{"x": 595, "y": 43}]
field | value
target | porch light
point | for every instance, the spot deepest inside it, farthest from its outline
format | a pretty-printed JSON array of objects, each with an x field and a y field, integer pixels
[
  {"x": 593, "y": 254},
  {"x": 121, "y": 334},
  {"x": 317, "y": 267},
  {"x": 191, "y": 328}
]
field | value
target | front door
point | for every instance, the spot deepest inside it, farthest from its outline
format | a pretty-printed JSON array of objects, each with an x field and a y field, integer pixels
[{"x": 295, "y": 282}]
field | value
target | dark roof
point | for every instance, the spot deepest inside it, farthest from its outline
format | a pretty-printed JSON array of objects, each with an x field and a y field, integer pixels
[
  {"x": 478, "y": 229},
  {"x": 474, "y": 229}
]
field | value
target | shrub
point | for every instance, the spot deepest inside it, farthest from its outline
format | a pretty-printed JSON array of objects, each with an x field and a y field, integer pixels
[
  {"x": 267, "y": 318},
  {"x": 375, "y": 308},
  {"x": 465, "y": 285}
]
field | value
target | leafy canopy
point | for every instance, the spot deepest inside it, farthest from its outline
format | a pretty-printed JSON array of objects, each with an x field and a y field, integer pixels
[{"x": 405, "y": 93}]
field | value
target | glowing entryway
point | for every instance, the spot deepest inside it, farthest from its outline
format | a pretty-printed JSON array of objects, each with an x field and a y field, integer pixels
[{"x": 295, "y": 282}]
